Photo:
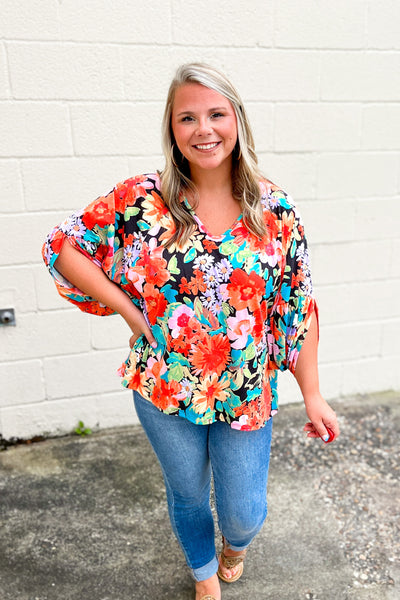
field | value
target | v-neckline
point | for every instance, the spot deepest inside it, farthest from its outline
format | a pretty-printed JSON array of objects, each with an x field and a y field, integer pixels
[{"x": 203, "y": 228}]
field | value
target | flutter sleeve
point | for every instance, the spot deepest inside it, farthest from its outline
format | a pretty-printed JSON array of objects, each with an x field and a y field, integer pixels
[
  {"x": 294, "y": 304},
  {"x": 92, "y": 231}
]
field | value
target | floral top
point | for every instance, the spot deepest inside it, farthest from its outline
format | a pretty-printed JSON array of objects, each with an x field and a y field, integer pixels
[{"x": 227, "y": 312}]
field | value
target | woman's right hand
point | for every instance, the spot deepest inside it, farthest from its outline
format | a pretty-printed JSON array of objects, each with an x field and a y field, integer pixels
[{"x": 140, "y": 327}]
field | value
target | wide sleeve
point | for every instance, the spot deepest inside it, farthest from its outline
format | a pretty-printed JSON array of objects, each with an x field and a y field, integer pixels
[
  {"x": 294, "y": 303},
  {"x": 92, "y": 231}
]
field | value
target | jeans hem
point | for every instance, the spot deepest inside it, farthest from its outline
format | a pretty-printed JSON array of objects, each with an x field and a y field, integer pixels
[
  {"x": 207, "y": 571},
  {"x": 236, "y": 548}
]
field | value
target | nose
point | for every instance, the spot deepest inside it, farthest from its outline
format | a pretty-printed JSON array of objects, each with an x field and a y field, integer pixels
[{"x": 204, "y": 127}]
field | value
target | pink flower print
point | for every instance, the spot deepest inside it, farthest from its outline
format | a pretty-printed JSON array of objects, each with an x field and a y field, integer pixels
[
  {"x": 270, "y": 255},
  {"x": 137, "y": 279},
  {"x": 241, "y": 424},
  {"x": 155, "y": 367},
  {"x": 223, "y": 292},
  {"x": 239, "y": 328},
  {"x": 180, "y": 318},
  {"x": 272, "y": 345}
]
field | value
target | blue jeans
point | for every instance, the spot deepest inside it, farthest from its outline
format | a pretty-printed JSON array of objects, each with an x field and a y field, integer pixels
[{"x": 188, "y": 455}]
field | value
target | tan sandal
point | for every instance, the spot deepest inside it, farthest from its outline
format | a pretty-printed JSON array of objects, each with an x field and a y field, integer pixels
[
  {"x": 208, "y": 597},
  {"x": 230, "y": 562}
]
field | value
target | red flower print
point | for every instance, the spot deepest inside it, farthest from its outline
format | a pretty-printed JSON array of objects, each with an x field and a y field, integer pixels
[
  {"x": 180, "y": 344},
  {"x": 152, "y": 266},
  {"x": 211, "y": 354},
  {"x": 156, "y": 302},
  {"x": 241, "y": 233},
  {"x": 125, "y": 193},
  {"x": 260, "y": 316},
  {"x": 245, "y": 290},
  {"x": 287, "y": 228},
  {"x": 56, "y": 242},
  {"x": 100, "y": 212},
  {"x": 271, "y": 224},
  {"x": 165, "y": 394}
]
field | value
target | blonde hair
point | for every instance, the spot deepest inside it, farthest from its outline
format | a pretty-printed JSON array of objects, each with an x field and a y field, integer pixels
[{"x": 175, "y": 178}]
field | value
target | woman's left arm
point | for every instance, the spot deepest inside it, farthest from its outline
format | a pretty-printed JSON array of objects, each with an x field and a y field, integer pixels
[{"x": 318, "y": 410}]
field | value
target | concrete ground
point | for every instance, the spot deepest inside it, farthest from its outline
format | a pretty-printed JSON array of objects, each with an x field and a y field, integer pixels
[{"x": 86, "y": 517}]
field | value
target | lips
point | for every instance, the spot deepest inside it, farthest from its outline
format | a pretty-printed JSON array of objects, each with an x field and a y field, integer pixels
[{"x": 209, "y": 146}]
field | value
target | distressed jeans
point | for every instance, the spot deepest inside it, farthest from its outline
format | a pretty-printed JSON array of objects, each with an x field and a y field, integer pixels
[{"x": 189, "y": 454}]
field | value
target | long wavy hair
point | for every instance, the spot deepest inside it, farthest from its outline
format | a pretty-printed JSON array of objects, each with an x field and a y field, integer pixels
[{"x": 175, "y": 178}]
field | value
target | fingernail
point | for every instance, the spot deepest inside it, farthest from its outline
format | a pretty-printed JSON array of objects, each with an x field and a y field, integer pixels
[
  {"x": 325, "y": 438},
  {"x": 153, "y": 344}
]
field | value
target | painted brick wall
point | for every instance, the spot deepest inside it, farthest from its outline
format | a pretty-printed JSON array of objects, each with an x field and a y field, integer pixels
[{"x": 82, "y": 87}]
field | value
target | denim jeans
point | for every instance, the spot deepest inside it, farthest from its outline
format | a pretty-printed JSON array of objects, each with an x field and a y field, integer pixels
[{"x": 188, "y": 455}]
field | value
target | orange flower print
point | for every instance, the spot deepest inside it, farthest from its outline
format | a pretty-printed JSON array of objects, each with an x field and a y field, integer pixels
[
  {"x": 209, "y": 391},
  {"x": 209, "y": 245},
  {"x": 135, "y": 378},
  {"x": 211, "y": 354},
  {"x": 245, "y": 290},
  {"x": 195, "y": 285},
  {"x": 155, "y": 210}
]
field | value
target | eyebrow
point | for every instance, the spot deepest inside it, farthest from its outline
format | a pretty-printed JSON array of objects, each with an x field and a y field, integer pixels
[{"x": 190, "y": 112}]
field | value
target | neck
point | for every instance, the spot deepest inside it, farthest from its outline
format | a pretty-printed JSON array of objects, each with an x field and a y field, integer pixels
[{"x": 212, "y": 181}]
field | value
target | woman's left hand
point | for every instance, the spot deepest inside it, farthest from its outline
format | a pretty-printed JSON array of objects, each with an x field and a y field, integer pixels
[{"x": 321, "y": 416}]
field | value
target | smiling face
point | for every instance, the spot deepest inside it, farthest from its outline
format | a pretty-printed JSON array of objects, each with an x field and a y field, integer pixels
[{"x": 205, "y": 128}]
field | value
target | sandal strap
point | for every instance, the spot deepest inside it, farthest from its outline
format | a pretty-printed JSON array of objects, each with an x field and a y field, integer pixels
[
  {"x": 208, "y": 597},
  {"x": 231, "y": 561}
]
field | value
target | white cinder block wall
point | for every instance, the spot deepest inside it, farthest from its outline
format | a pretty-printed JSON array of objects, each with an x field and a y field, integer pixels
[{"x": 82, "y": 88}]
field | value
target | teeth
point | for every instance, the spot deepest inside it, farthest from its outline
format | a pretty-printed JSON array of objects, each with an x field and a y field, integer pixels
[{"x": 206, "y": 146}]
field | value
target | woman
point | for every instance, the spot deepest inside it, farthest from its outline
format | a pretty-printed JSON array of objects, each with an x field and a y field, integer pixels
[{"x": 207, "y": 263}]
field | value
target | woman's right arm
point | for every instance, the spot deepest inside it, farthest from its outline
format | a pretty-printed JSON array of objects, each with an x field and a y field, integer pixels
[{"x": 89, "y": 278}]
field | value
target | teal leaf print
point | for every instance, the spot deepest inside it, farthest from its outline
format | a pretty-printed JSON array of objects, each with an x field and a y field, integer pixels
[
  {"x": 169, "y": 293},
  {"x": 176, "y": 357},
  {"x": 143, "y": 226},
  {"x": 190, "y": 255}
]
